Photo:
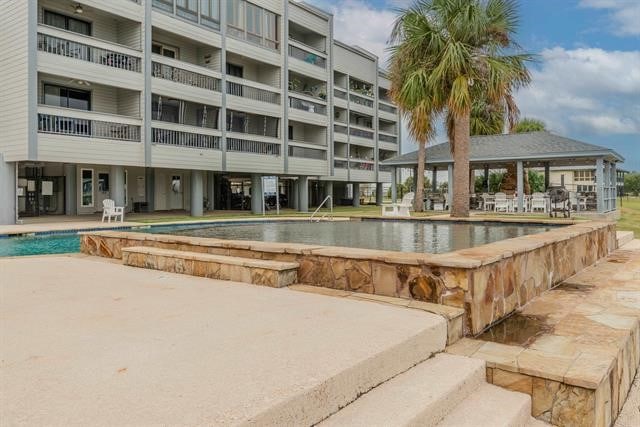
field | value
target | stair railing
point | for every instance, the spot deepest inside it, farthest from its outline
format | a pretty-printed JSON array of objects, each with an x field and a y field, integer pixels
[{"x": 326, "y": 214}]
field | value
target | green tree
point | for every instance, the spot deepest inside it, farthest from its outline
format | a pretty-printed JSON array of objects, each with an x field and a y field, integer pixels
[
  {"x": 529, "y": 125},
  {"x": 445, "y": 55},
  {"x": 632, "y": 183},
  {"x": 536, "y": 181}
]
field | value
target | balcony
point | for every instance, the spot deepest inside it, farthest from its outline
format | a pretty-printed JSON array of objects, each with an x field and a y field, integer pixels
[
  {"x": 309, "y": 161},
  {"x": 361, "y": 133},
  {"x": 307, "y": 56},
  {"x": 387, "y": 138},
  {"x": 307, "y": 153},
  {"x": 82, "y": 125},
  {"x": 382, "y": 106},
  {"x": 252, "y": 96},
  {"x": 185, "y": 139},
  {"x": 308, "y": 106},
  {"x": 253, "y": 147},
  {"x": 185, "y": 77},
  {"x": 306, "y": 62},
  {"x": 361, "y": 100}
]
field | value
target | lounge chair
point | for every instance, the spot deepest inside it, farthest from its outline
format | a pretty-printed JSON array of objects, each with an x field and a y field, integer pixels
[
  {"x": 501, "y": 203},
  {"x": 110, "y": 210},
  {"x": 399, "y": 209},
  {"x": 538, "y": 202}
]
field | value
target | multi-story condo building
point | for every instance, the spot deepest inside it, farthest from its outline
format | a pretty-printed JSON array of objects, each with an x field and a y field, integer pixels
[{"x": 184, "y": 104}]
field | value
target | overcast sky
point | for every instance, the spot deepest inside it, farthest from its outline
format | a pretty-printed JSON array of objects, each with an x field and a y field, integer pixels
[{"x": 587, "y": 82}]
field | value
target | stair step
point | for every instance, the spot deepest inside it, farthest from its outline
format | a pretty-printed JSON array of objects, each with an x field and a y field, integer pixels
[
  {"x": 248, "y": 270},
  {"x": 491, "y": 406},
  {"x": 423, "y": 395},
  {"x": 624, "y": 237}
]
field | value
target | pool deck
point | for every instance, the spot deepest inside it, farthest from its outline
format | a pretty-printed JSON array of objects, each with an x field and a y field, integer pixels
[{"x": 88, "y": 341}]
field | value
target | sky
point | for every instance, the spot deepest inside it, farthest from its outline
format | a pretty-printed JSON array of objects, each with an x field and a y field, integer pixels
[{"x": 586, "y": 81}]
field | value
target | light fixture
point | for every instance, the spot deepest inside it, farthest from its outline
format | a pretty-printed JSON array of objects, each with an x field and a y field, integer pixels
[{"x": 79, "y": 9}]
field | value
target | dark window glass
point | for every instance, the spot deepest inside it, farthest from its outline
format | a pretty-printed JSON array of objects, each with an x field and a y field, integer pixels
[
  {"x": 234, "y": 70},
  {"x": 67, "y": 23},
  {"x": 60, "y": 96},
  {"x": 290, "y": 132}
]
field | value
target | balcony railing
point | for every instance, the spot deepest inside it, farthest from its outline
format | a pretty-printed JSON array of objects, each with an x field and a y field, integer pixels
[
  {"x": 49, "y": 123},
  {"x": 339, "y": 93},
  {"x": 361, "y": 133},
  {"x": 253, "y": 147},
  {"x": 340, "y": 129},
  {"x": 185, "y": 77},
  {"x": 309, "y": 106},
  {"x": 385, "y": 168},
  {"x": 340, "y": 164},
  {"x": 185, "y": 139},
  {"x": 84, "y": 52},
  {"x": 307, "y": 153},
  {"x": 306, "y": 56},
  {"x": 250, "y": 92},
  {"x": 387, "y": 138},
  {"x": 357, "y": 165},
  {"x": 356, "y": 99},
  {"x": 387, "y": 108}
]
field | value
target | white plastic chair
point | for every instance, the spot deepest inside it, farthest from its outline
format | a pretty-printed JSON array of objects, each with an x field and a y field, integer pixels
[
  {"x": 577, "y": 202},
  {"x": 110, "y": 210},
  {"x": 488, "y": 201},
  {"x": 538, "y": 202},
  {"x": 501, "y": 204},
  {"x": 399, "y": 209}
]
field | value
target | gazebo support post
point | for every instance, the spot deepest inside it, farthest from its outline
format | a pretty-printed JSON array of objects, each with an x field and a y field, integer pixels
[
  {"x": 607, "y": 186},
  {"x": 434, "y": 179},
  {"x": 600, "y": 184},
  {"x": 520, "y": 186},
  {"x": 450, "y": 185},
  {"x": 394, "y": 185},
  {"x": 614, "y": 186},
  {"x": 486, "y": 178},
  {"x": 547, "y": 174}
]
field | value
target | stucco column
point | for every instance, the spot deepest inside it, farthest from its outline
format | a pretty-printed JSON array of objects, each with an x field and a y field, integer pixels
[
  {"x": 394, "y": 185},
  {"x": 256, "y": 194},
  {"x": 71, "y": 190},
  {"x": 303, "y": 194},
  {"x": 520, "y": 185},
  {"x": 379, "y": 193},
  {"x": 211, "y": 189},
  {"x": 600, "y": 184},
  {"x": 356, "y": 194},
  {"x": 117, "y": 185},
  {"x": 7, "y": 192},
  {"x": 450, "y": 185},
  {"x": 197, "y": 193},
  {"x": 434, "y": 179}
]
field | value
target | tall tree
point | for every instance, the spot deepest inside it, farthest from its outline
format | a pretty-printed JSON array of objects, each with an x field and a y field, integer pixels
[
  {"x": 446, "y": 54},
  {"x": 529, "y": 125}
]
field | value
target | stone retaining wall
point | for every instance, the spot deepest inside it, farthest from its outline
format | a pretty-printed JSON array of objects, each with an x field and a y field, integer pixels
[{"x": 488, "y": 281}]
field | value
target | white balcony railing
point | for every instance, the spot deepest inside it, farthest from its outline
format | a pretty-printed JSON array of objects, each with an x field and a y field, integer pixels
[
  {"x": 309, "y": 106},
  {"x": 245, "y": 90},
  {"x": 307, "y": 56},
  {"x": 87, "y": 128},
  {"x": 307, "y": 153},
  {"x": 185, "y": 139},
  {"x": 185, "y": 77},
  {"x": 360, "y": 100},
  {"x": 341, "y": 164},
  {"x": 88, "y": 53},
  {"x": 387, "y": 108},
  {"x": 361, "y": 165},
  {"x": 339, "y": 93},
  {"x": 387, "y": 138},
  {"x": 340, "y": 129},
  {"x": 361, "y": 133},
  {"x": 253, "y": 147}
]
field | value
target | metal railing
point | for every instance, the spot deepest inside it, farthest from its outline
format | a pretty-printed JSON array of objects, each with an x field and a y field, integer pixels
[
  {"x": 84, "y": 52},
  {"x": 329, "y": 214},
  {"x": 307, "y": 153},
  {"x": 382, "y": 168},
  {"x": 306, "y": 56},
  {"x": 387, "y": 138},
  {"x": 250, "y": 92},
  {"x": 185, "y": 139},
  {"x": 185, "y": 77},
  {"x": 387, "y": 108},
  {"x": 357, "y": 99},
  {"x": 253, "y": 147},
  {"x": 361, "y": 133},
  {"x": 357, "y": 165},
  {"x": 309, "y": 106},
  {"x": 340, "y": 164},
  {"x": 49, "y": 123},
  {"x": 338, "y": 93},
  {"x": 340, "y": 129}
]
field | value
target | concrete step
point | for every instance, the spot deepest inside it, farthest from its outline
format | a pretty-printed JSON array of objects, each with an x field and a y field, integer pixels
[
  {"x": 275, "y": 274},
  {"x": 423, "y": 395},
  {"x": 491, "y": 406},
  {"x": 624, "y": 237}
]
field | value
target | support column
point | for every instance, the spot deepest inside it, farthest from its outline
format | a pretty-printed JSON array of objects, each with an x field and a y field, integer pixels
[
  {"x": 356, "y": 194},
  {"x": 486, "y": 178},
  {"x": 547, "y": 174},
  {"x": 117, "y": 185},
  {"x": 256, "y": 194},
  {"x": 293, "y": 196},
  {"x": 600, "y": 184},
  {"x": 71, "y": 190},
  {"x": 328, "y": 190},
  {"x": 450, "y": 185},
  {"x": 211, "y": 190},
  {"x": 394, "y": 185},
  {"x": 614, "y": 183},
  {"x": 520, "y": 185},
  {"x": 303, "y": 194},
  {"x": 434, "y": 179},
  {"x": 197, "y": 193},
  {"x": 7, "y": 192},
  {"x": 149, "y": 188},
  {"x": 379, "y": 193},
  {"x": 607, "y": 186}
]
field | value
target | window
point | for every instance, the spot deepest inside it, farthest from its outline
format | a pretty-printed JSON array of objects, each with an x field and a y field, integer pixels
[
  {"x": 103, "y": 182},
  {"x": 234, "y": 70},
  {"x": 290, "y": 132},
  {"x": 187, "y": 9},
  {"x": 252, "y": 23},
  {"x": 271, "y": 29},
  {"x": 164, "y": 50},
  {"x": 210, "y": 13},
  {"x": 87, "y": 187},
  {"x": 235, "y": 13},
  {"x": 67, "y": 23},
  {"x": 584, "y": 175},
  {"x": 254, "y": 19},
  {"x": 60, "y": 96},
  {"x": 166, "y": 5},
  {"x": 165, "y": 109}
]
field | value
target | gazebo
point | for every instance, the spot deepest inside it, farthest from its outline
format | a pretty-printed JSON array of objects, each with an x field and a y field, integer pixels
[{"x": 525, "y": 150}]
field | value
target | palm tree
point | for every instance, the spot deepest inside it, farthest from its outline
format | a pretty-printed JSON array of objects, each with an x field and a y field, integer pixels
[
  {"x": 446, "y": 54},
  {"x": 529, "y": 125}
]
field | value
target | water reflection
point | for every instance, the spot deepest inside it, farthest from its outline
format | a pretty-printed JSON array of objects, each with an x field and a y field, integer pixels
[{"x": 404, "y": 236}]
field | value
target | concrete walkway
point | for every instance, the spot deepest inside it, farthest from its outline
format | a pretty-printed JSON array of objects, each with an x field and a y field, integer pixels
[{"x": 89, "y": 341}]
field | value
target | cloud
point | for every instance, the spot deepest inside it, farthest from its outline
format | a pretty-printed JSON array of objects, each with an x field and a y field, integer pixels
[
  {"x": 583, "y": 91},
  {"x": 624, "y": 14}
]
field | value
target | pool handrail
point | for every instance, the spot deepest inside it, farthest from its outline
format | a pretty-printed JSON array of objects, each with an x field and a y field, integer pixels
[{"x": 328, "y": 198}]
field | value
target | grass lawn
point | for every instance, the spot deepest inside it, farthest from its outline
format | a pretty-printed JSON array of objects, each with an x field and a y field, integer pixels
[{"x": 630, "y": 219}]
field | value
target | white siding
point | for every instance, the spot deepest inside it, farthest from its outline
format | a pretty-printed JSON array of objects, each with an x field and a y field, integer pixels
[
  {"x": 14, "y": 66},
  {"x": 188, "y": 158},
  {"x": 73, "y": 149},
  {"x": 307, "y": 19},
  {"x": 354, "y": 64},
  {"x": 256, "y": 163}
]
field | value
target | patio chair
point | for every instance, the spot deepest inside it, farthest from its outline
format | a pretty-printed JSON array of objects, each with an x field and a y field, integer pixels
[
  {"x": 440, "y": 203},
  {"x": 399, "y": 209},
  {"x": 110, "y": 210},
  {"x": 488, "y": 201},
  {"x": 577, "y": 203},
  {"x": 538, "y": 202},
  {"x": 501, "y": 203}
]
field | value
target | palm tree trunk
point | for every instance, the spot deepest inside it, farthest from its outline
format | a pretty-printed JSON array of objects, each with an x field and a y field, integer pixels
[
  {"x": 461, "y": 129},
  {"x": 418, "y": 202}
]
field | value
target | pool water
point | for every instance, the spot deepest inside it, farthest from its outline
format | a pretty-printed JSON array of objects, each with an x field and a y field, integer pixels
[
  {"x": 403, "y": 236},
  {"x": 40, "y": 244}
]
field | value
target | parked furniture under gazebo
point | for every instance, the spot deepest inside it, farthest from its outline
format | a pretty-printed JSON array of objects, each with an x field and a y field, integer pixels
[{"x": 526, "y": 150}]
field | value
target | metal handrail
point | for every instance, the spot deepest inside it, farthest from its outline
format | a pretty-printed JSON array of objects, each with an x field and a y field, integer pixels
[{"x": 328, "y": 198}]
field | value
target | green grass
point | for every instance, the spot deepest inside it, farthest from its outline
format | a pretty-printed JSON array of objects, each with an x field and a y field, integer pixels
[{"x": 630, "y": 219}]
